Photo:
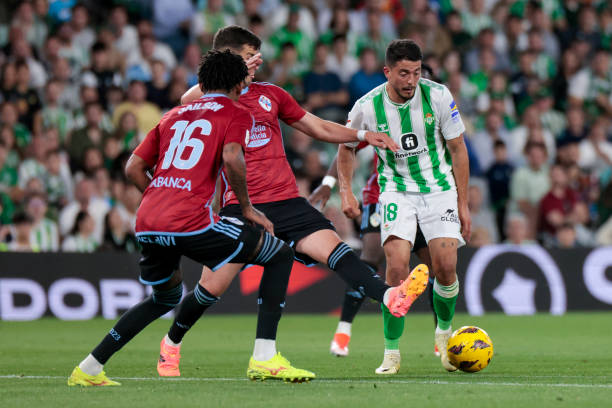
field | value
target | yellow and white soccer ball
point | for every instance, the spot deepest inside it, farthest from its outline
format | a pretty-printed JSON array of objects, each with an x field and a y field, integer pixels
[{"x": 470, "y": 349}]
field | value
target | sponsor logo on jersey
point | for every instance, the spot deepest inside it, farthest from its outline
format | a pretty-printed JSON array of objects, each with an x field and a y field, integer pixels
[
  {"x": 409, "y": 141},
  {"x": 411, "y": 153},
  {"x": 171, "y": 182},
  {"x": 450, "y": 215},
  {"x": 213, "y": 106},
  {"x": 247, "y": 138},
  {"x": 454, "y": 112},
  {"x": 429, "y": 118},
  {"x": 259, "y": 136},
  {"x": 265, "y": 103},
  {"x": 383, "y": 127},
  {"x": 375, "y": 220}
]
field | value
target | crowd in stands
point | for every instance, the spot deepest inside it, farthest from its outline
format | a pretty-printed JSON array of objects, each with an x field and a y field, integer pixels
[{"x": 82, "y": 82}]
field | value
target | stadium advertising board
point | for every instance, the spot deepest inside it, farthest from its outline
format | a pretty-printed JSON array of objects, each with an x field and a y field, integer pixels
[{"x": 514, "y": 280}]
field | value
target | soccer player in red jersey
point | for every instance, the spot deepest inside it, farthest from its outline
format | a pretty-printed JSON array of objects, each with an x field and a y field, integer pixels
[
  {"x": 188, "y": 149},
  {"x": 273, "y": 190}
]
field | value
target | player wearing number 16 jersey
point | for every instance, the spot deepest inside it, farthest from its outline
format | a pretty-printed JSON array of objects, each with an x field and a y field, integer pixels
[{"x": 188, "y": 148}]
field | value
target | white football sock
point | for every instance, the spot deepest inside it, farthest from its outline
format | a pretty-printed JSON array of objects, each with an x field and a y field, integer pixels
[
  {"x": 264, "y": 349},
  {"x": 392, "y": 351},
  {"x": 344, "y": 328},
  {"x": 386, "y": 297},
  {"x": 91, "y": 366},
  {"x": 439, "y": 330},
  {"x": 170, "y": 342}
]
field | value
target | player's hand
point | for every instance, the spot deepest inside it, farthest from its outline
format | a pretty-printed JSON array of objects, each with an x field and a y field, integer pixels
[
  {"x": 257, "y": 217},
  {"x": 350, "y": 205},
  {"x": 320, "y": 196},
  {"x": 381, "y": 140},
  {"x": 253, "y": 63},
  {"x": 466, "y": 222}
]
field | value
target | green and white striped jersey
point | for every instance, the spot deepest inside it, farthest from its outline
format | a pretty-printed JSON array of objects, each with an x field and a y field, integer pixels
[{"x": 420, "y": 127}]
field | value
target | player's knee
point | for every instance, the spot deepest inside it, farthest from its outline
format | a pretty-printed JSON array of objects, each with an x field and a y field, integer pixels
[
  {"x": 445, "y": 270},
  {"x": 170, "y": 297}
]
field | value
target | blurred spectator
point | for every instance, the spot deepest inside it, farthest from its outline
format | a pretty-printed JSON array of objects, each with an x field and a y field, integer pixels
[
  {"x": 592, "y": 87},
  {"x": 530, "y": 129},
  {"x": 339, "y": 61},
  {"x": 367, "y": 78},
  {"x": 128, "y": 204},
  {"x": 157, "y": 87},
  {"x": 8, "y": 172},
  {"x": 437, "y": 40},
  {"x": 375, "y": 37},
  {"x": 483, "y": 142},
  {"x": 34, "y": 165},
  {"x": 517, "y": 230},
  {"x": 596, "y": 150},
  {"x": 551, "y": 119},
  {"x": 20, "y": 232},
  {"x": 498, "y": 177},
  {"x": 147, "y": 114},
  {"x": 83, "y": 35},
  {"x": 127, "y": 132},
  {"x": 44, "y": 234},
  {"x": 459, "y": 36},
  {"x": 486, "y": 43},
  {"x": 117, "y": 235},
  {"x": 323, "y": 90},
  {"x": 207, "y": 21},
  {"x": 92, "y": 135},
  {"x": 480, "y": 237},
  {"x": 287, "y": 70},
  {"x": 52, "y": 114},
  {"x": 171, "y": 22},
  {"x": 475, "y": 17},
  {"x": 292, "y": 33},
  {"x": 565, "y": 237},
  {"x": 84, "y": 201},
  {"x": 24, "y": 97},
  {"x": 58, "y": 180},
  {"x": 82, "y": 236},
  {"x": 529, "y": 184},
  {"x": 558, "y": 205},
  {"x": 126, "y": 36},
  {"x": 8, "y": 119},
  {"x": 482, "y": 216},
  {"x": 560, "y": 84},
  {"x": 576, "y": 129},
  {"x": 101, "y": 68},
  {"x": 362, "y": 18}
]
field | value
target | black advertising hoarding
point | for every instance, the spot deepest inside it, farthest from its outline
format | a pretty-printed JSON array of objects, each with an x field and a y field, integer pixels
[{"x": 515, "y": 280}]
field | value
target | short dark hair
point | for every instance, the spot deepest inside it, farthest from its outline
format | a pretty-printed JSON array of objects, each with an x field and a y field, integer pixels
[
  {"x": 221, "y": 70},
  {"x": 400, "y": 50},
  {"x": 235, "y": 37}
]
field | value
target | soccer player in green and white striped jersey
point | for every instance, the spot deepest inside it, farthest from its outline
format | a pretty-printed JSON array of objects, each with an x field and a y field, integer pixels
[{"x": 425, "y": 181}]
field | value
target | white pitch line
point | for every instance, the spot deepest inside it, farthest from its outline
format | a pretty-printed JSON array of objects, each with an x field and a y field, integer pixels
[{"x": 331, "y": 380}]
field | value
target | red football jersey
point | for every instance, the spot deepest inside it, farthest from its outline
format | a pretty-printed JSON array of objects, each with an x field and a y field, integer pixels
[
  {"x": 371, "y": 191},
  {"x": 187, "y": 149},
  {"x": 269, "y": 176}
]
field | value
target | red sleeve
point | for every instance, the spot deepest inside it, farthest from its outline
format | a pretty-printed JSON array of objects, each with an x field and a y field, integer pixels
[
  {"x": 288, "y": 109},
  {"x": 148, "y": 149},
  {"x": 362, "y": 145},
  {"x": 239, "y": 129}
]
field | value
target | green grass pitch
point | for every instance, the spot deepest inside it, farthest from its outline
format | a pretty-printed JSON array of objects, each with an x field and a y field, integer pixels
[{"x": 540, "y": 361}]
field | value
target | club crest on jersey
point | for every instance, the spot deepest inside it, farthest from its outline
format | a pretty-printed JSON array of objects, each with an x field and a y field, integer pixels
[
  {"x": 265, "y": 103},
  {"x": 429, "y": 119}
]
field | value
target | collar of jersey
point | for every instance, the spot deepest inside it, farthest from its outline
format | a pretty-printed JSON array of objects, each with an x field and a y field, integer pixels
[
  {"x": 401, "y": 105},
  {"x": 213, "y": 95}
]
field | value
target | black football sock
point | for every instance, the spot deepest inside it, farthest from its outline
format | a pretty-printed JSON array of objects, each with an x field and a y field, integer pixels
[
  {"x": 277, "y": 260},
  {"x": 353, "y": 300},
  {"x": 430, "y": 299},
  {"x": 135, "y": 319},
  {"x": 356, "y": 273},
  {"x": 195, "y": 303}
]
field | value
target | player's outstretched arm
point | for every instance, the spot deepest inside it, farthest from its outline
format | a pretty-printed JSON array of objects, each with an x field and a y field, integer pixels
[
  {"x": 461, "y": 172},
  {"x": 235, "y": 166},
  {"x": 346, "y": 160},
  {"x": 334, "y": 133},
  {"x": 321, "y": 194},
  {"x": 136, "y": 171}
]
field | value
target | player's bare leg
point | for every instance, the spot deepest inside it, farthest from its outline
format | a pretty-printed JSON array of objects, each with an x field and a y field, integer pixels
[
  {"x": 446, "y": 289},
  {"x": 371, "y": 254}
]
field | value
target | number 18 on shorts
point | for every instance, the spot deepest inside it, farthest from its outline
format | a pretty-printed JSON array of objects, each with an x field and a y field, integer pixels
[{"x": 436, "y": 214}]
